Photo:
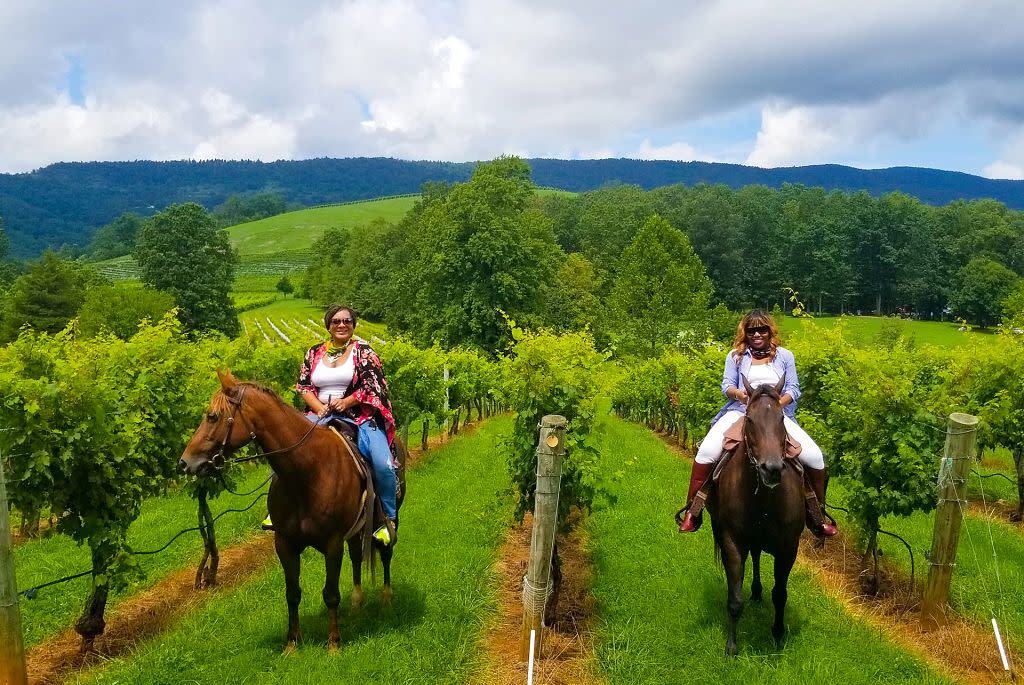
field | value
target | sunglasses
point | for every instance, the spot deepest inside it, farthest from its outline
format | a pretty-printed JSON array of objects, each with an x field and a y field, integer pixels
[
  {"x": 759, "y": 330},
  {"x": 342, "y": 322}
]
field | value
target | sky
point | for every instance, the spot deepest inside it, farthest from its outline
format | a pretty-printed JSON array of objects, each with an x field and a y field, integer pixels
[{"x": 868, "y": 84}]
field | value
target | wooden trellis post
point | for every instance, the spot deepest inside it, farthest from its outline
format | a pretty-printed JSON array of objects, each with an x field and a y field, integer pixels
[
  {"x": 12, "y": 649},
  {"x": 537, "y": 582},
  {"x": 961, "y": 433}
]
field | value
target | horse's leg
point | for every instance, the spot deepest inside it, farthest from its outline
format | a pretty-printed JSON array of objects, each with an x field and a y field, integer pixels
[
  {"x": 734, "y": 558},
  {"x": 780, "y": 593},
  {"x": 385, "y": 560},
  {"x": 293, "y": 591},
  {"x": 756, "y": 589},
  {"x": 332, "y": 597},
  {"x": 355, "y": 555}
]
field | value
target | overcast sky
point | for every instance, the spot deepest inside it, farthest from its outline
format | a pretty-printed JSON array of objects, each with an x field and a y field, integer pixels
[{"x": 866, "y": 83}]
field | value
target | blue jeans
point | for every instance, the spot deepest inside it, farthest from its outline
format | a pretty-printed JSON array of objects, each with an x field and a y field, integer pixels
[{"x": 373, "y": 445}]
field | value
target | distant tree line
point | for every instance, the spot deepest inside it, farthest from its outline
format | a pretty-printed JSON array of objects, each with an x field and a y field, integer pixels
[
  {"x": 64, "y": 204},
  {"x": 659, "y": 263}
]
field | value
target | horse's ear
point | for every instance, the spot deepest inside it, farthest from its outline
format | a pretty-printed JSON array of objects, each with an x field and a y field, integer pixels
[
  {"x": 780, "y": 385},
  {"x": 227, "y": 381},
  {"x": 746, "y": 386}
]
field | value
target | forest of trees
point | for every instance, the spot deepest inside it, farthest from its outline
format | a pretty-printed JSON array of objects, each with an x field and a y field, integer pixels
[
  {"x": 624, "y": 257},
  {"x": 64, "y": 204}
]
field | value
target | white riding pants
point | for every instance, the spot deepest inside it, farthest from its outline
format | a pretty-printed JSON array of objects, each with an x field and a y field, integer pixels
[{"x": 710, "y": 449}]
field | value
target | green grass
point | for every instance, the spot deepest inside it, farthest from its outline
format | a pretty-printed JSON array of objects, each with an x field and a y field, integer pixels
[
  {"x": 975, "y": 592},
  {"x": 868, "y": 329},
  {"x": 298, "y": 230},
  {"x": 661, "y": 596},
  {"x": 52, "y": 557},
  {"x": 445, "y": 594}
]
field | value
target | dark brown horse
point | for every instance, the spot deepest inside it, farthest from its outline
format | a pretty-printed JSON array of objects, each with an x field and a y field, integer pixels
[
  {"x": 316, "y": 499},
  {"x": 758, "y": 506}
]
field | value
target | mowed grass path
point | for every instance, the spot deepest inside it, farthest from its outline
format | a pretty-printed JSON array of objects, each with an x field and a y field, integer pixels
[
  {"x": 57, "y": 607},
  {"x": 297, "y": 230},
  {"x": 661, "y": 596},
  {"x": 445, "y": 593}
]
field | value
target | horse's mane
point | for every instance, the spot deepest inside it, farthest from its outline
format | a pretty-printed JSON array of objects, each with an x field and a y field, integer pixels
[{"x": 220, "y": 401}]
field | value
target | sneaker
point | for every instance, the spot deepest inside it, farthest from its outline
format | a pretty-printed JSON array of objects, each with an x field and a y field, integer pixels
[
  {"x": 386, "y": 534},
  {"x": 267, "y": 523}
]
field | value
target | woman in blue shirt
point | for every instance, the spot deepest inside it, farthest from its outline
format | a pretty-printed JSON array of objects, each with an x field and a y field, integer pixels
[{"x": 757, "y": 356}]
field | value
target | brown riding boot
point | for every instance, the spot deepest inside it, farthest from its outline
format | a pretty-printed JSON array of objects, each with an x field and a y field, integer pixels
[
  {"x": 818, "y": 478},
  {"x": 698, "y": 476}
]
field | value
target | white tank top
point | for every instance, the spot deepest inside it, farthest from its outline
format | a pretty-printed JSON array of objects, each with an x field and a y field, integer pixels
[
  {"x": 331, "y": 382},
  {"x": 759, "y": 374}
]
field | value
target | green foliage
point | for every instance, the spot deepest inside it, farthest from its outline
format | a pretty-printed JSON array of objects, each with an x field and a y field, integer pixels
[
  {"x": 284, "y": 286},
  {"x": 476, "y": 254},
  {"x": 554, "y": 374},
  {"x": 572, "y": 301},
  {"x": 415, "y": 380},
  {"x": 120, "y": 307},
  {"x": 48, "y": 296},
  {"x": 325, "y": 274},
  {"x": 660, "y": 291},
  {"x": 1013, "y": 309},
  {"x": 116, "y": 238},
  {"x": 981, "y": 288},
  {"x": 245, "y": 207},
  {"x": 181, "y": 251}
]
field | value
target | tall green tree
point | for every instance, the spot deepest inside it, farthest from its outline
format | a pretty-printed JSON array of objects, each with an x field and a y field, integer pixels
[
  {"x": 478, "y": 254},
  {"x": 48, "y": 296},
  {"x": 181, "y": 251},
  {"x": 661, "y": 291},
  {"x": 324, "y": 280},
  {"x": 116, "y": 238},
  {"x": 982, "y": 287}
]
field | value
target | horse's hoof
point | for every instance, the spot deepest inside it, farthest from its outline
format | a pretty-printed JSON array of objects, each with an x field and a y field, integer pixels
[
  {"x": 290, "y": 648},
  {"x": 779, "y": 635},
  {"x": 332, "y": 648},
  {"x": 730, "y": 650},
  {"x": 388, "y": 595},
  {"x": 357, "y": 598}
]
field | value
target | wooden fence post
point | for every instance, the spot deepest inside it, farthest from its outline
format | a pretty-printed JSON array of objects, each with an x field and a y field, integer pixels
[
  {"x": 536, "y": 584},
  {"x": 961, "y": 433},
  {"x": 12, "y": 649}
]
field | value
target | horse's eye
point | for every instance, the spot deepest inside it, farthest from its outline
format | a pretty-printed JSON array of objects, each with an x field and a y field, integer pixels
[{"x": 212, "y": 417}]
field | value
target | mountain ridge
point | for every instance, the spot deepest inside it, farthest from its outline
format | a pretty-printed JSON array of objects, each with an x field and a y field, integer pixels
[{"x": 64, "y": 203}]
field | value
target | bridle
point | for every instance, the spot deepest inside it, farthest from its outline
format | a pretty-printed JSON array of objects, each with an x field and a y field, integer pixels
[
  {"x": 220, "y": 458},
  {"x": 752, "y": 458}
]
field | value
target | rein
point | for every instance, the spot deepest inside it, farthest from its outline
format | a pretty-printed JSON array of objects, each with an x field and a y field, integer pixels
[{"x": 220, "y": 458}]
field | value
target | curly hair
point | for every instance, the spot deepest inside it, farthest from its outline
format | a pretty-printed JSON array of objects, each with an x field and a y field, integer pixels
[{"x": 757, "y": 317}]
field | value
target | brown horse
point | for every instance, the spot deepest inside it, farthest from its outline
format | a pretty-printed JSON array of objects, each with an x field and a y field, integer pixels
[
  {"x": 758, "y": 506},
  {"x": 316, "y": 499}
]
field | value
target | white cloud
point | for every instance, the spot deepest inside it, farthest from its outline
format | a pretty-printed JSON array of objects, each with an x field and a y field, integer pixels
[
  {"x": 790, "y": 137},
  {"x": 1006, "y": 170},
  {"x": 681, "y": 152},
  {"x": 470, "y": 80}
]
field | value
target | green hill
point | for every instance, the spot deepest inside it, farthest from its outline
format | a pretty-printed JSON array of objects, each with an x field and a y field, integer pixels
[{"x": 279, "y": 244}]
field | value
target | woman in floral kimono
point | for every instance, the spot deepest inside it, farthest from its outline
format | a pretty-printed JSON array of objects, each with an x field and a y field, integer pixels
[{"x": 343, "y": 378}]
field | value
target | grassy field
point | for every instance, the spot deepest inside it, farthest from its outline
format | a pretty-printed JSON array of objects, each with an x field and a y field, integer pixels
[
  {"x": 661, "y": 596},
  {"x": 49, "y": 558},
  {"x": 444, "y": 584},
  {"x": 297, "y": 230},
  {"x": 870, "y": 329}
]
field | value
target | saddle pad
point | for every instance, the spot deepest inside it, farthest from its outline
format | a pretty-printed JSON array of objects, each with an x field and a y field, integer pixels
[
  {"x": 734, "y": 436},
  {"x": 353, "y": 450}
]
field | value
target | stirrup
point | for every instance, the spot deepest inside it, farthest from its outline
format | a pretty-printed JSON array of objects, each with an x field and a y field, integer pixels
[{"x": 267, "y": 523}]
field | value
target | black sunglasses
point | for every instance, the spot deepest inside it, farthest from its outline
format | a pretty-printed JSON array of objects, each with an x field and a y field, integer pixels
[
  {"x": 342, "y": 322},
  {"x": 763, "y": 330}
]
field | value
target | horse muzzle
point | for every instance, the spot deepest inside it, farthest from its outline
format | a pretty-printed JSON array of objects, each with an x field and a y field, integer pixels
[
  {"x": 199, "y": 466},
  {"x": 770, "y": 473}
]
